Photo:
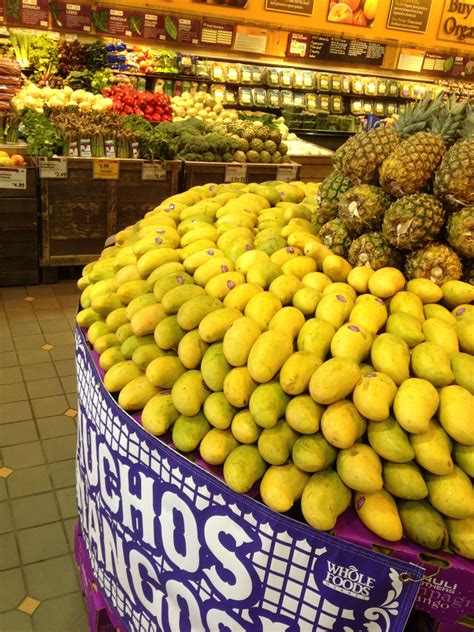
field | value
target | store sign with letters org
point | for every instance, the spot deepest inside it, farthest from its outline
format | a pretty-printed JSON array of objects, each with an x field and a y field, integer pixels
[{"x": 172, "y": 548}]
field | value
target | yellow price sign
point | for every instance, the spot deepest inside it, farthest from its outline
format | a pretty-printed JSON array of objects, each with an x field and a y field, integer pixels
[{"x": 106, "y": 169}]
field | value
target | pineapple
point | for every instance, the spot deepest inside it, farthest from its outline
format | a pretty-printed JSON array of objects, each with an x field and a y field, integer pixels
[
  {"x": 468, "y": 271},
  {"x": 331, "y": 189},
  {"x": 362, "y": 208},
  {"x": 413, "y": 220},
  {"x": 334, "y": 235},
  {"x": 361, "y": 156},
  {"x": 454, "y": 179},
  {"x": 460, "y": 229},
  {"x": 436, "y": 262},
  {"x": 373, "y": 250},
  {"x": 410, "y": 167}
]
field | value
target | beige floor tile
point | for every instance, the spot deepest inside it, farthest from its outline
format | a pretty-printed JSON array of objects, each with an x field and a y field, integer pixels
[
  {"x": 59, "y": 448},
  {"x": 13, "y": 392},
  {"x": 64, "y": 352},
  {"x": 44, "y": 388},
  {"x": 65, "y": 614},
  {"x": 67, "y": 502},
  {"x": 17, "y": 432},
  {"x": 8, "y": 359},
  {"x": 60, "y": 338},
  {"x": 65, "y": 367},
  {"x": 10, "y": 375},
  {"x": 69, "y": 383},
  {"x": 21, "y": 315},
  {"x": 30, "y": 511},
  {"x": 29, "y": 480},
  {"x": 31, "y": 341},
  {"x": 57, "y": 426},
  {"x": 63, "y": 473},
  {"x": 6, "y": 344},
  {"x": 23, "y": 329},
  {"x": 60, "y": 574},
  {"x": 54, "y": 326},
  {"x": 48, "y": 302},
  {"x": 6, "y": 520},
  {"x": 15, "y": 411},
  {"x": 32, "y": 356},
  {"x": 41, "y": 371},
  {"x": 15, "y": 621},
  {"x": 12, "y": 593},
  {"x": 23, "y": 455},
  {"x": 8, "y": 553},
  {"x": 52, "y": 313},
  {"x": 49, "y": 406},
  {"x": 42, "y": 543}
]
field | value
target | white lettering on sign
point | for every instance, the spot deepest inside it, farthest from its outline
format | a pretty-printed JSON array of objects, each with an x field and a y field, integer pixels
[
  {"x": 348, "y": 580},
  {"x": 53, "y": 168}
]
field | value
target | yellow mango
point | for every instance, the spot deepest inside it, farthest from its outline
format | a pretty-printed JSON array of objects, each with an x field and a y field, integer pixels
[
  {"x": 125, "y": 275},
  {"x": 407, "y": 327},
  {"x": 166, "y": 283},
  {"x": 268, "y": 355},
  {"x": 243, "y": 468},
  {"x": 358, "y": 278},
  {"x": 456, "y": 413},
  {"x": 191, "y": 349},
  {"x": 145, "y": 320},
  {"x": 324, "y": 498},
  {"x": 351, "y": 341},
  {"x": 426, "y": 290},
  {"x": 96, "y": 330},
  {"x": 438, "y": 331},
  {"x": 452, "y": 495},
  {"x": 312, "y": 453},
  {"x": 285, "y": 254},
  {"x": 404, "y": 480},
  {"x": 462, "y": 312},
  {"x": 462, "y": 365},
  {"x": 144, "y": 354},
  {"x": 244, "y": 428},
  {"x": 168, "y": 333},
  {"x": 415, "y": 404},
  {"x": 433, "y": 449},
  {"x": 133, "y": 342},
  {"x": 429, "y": 361},
  {"x": 124, "y": 332},
  {"x": 461, "y": 536},
  {"x": 116, "y": 318},
  {"x": 159, "y": 414},
  {"x": 282, "y": 486},
  {"x": 334, "y": 380},
  {"x": 386, "y": 282},
  {"x": 263, "y": 274},
  {"x": 218, "y": 412},
  {"x": 336, "y": 267},
  {"x": 193, "y": 311},
  {"x": 378, "y": 512},
  {"x": 306, "y": 300},
  {"x": 301, "y": 239},
  {"x": 177, "y": 296},
  {"x": 334, "y": 309},
  {"x": 439, "y": 311},
  {"x": 211, "y": 268},
  {"x": 208, "y": 232},
  {"x": 192, "y": 263},
  {"x": 216, "y": 446},
  {"x": 104, "y": 304},
  {"x": 360, "y": 468},
  {"x": 240, "y": 295},
  {"x": 316, "y": 250},
  {"x": 276, "y": 443},
  {"x": 423, "y": 524},
  {"x": 164, "y": 371},
  {"x": 136, "y": 393},
  {"x": 457, "y": 292},
  {"x": 342, "y": 425},
  {"x": 109, "y": 357},
  {"x": 239, "y": 339},
  {"x": 130, "y": 290},
  {"x": 299, "y": 266},
  {"x": 222, "y": 284},
  {"x": 464, "y": 457},
  {"x": 288, "y": 320},
  {"x": 165, "y": 270},
  {"x": 465, "y": 332},
  {"x": 262, "y": 307},
  {"x": 153, "y": 259},
  {"x": 138, "y": 303},
  {"x": 374, "y": 395},
  {"x": 316, "y": 280},
  {"x": 104, "y": 342},
  {"x": 214, "y": 367},
  {"x": 231, "y": 236},
  {"x": 315, "y": 337},
  {"x": 250, "y": 258},
  {"x": 189, "y": 430},
  {"x": 189, "y": 393},
  {"x": 239, "y": 386},
  {"x": 390, "y": 355},
  {"x": 407, "y": 303},
  {"x": 284, "y": 287},
  {"x": 213, "y": 327},
  {"x": 390, "y": 441},
  {"x": 297, "y": 370},
  {"x": 341, "y": 288},
  {"x": 267, "y": 404}
]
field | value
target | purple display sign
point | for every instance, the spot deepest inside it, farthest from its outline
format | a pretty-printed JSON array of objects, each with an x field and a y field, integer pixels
[
  {"x": 118, "y": 22},
  {"x": 172, "y": 548},
  {"x": 71, "y": 16},
  {"x": 28, "y": 13},
  {"x": 448, "y": 65}
]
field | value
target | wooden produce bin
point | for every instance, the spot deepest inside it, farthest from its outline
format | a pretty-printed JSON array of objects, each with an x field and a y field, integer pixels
[
  {"x": 19, "y": 243},
  {"x": 314, "y": 168},
  {"x": 79, "y": 212},
  {"x": 199, "y": 173}
]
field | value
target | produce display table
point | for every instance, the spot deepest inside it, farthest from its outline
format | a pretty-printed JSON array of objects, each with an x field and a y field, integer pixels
[
  {"x": 79, "y": 212},
  {"x": 19, "y": 247},
  {"x": 314, "y": 168},
  {"x": 199, "y": 173},
  {"x": 170, "y": 547}
]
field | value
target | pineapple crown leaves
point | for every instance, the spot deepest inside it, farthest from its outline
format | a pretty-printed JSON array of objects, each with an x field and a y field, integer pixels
[
  {"x": 417, "y": 115},
  {"x": 468, "y": 127},
  {"x": 447, "y": 121}
]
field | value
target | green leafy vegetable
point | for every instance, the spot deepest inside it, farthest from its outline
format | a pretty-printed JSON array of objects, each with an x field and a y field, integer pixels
[
  {"x": 43, "y": 57},
  {"x": 135, "y": 24},
  {"x": 12, "y": 8},
  {"x": 42, "y": 136},
  {"x": 96, "y": 56},
  {"x": 55, "y": 11},
  {"x": 170, "y": 27},
  {"x": 100, "y": 19}
]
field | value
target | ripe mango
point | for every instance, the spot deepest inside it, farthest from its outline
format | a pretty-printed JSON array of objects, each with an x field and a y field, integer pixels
[
  {"x": 282, "y": 486},
  {"x": 340, "y": 288},
  {"x": 189, "y": 393},
  {"x": 374, "y": 394},
  {"x": 177, "y": 296},
  {"x": 315, "y": 337},
  {"x": 452, "y": 494},
  {"x": 457, "y": 292},
  {"x": 106, "y": 303},
  {"x": 285, "y": 254},
  {"x": 415, "y": 404},
  {"x": 211, "y": 268},
  {"x": 214, "y": 326},
  {"x": 136, "y": 393},
  {"x": 423, "y": 524},
  {"x": 116, "y": 318},
  {"x": 324, "y": 499},
  {"x": 130, "y": 290},
  {"x": 244, "y": 428},
  {"x": 358, "y": 278},
  {"x": 159, "y": 414},
  {"x": 262, "y": 307},
  {"x": 243, "y": 468},
  {"x": 250, "y": 258},
  {"x": 407, "y": 303},
  {"x": 431, "y": 362},
  {"x": 461, "y": 536},
  {"x": 124, "y": 332},
  {"x": 288, "y": 320},
  {"x": 105, "y": 342},
  {"x": 360, "y": 468},
  {"x": 139, "y": 303},
  {"x": 216, "y": 446},
  {"x": 191, "y": 349},
  {"x": 166, "y": 269},
  {"x": 404, "y": 480},
  {"x": 464, "y": 457},
  {"x": 276, "y": 443},
  {"x": 192, "y": 263},
  {"x": 124, "y": 275},
  {"x": 164, "y": 371},
  {"x": 438, "y": 331},
  {"x": 342, "y": 425},
  {"x": 386, "y": 282},
  {"x": 390, "y": 355},
  {"x": 263, "y": 274},
  {"x": 111, "y": 356},
  {"x": 145, "y": 320},
  {"x": 312, "y": 453},
  {"x": 189, "y": 430},
  {"x": 299, "y": 266},
  {"x": 133, "y": 342},
  {"x": 336, "y": 267},
  {"x": 267, "y": 404},
  {"x": 306, "y": 300},
  {"x": 296, "y": 372},
  {"x": 351, "y": 341},
  {"x": 456, "y": 413},
  {"x": 316, "y": 280},
  {"x": 390, "y": 441},
  {"x": 96, "y": 330},
  {"x": 144, "y": 354},
  {"x": 465, "y": 332},
  {"x": 214, "y": 367},
  {"x": 218, "y": 412},
  {"x": 239, "y": 339},
  {"x": 426, "y": 290},
  {"x": 193, "y": 311},
  {"x": 166, "y": 283},
  {"x": 154, "y": 259},
  {"x": 334, "y": 309},
  {"x": 86, "y": 317},
  {"x": 268, "y": 355},
  {"x": 240, "y": 295},
  {"x": 284, "y": 287},
  {"x": 378, "y": 512},
  {"x": 406, "y": 327},
  {"x": 239, "y": 386},
  {"x": 438, "y": 311},
  {"x": 334, "y": 380}
]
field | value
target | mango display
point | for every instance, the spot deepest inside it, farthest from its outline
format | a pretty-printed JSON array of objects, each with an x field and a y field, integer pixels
[{"x": 246, "y": 338}]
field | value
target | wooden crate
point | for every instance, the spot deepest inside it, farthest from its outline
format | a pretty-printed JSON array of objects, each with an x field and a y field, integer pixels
[
  {"x": 199, "y": 173},
  {"x": 314, "y": 168},
  {"x": 19, "y": 243},
  {"x": 78, "y": 213}
]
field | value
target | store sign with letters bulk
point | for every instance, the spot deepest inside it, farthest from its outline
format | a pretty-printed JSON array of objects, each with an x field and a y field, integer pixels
[
  {"x": 172, "y": 548},
  {"x": 457, "y": 21}
]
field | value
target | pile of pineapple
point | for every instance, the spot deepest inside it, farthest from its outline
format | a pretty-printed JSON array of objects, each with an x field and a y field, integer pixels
[
  {"x": 257, "y": 142},
  {"x": 225, "y": 320},
  {"x": 403, "y": 195}
]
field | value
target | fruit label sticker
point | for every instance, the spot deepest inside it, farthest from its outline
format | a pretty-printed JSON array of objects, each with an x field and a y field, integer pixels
[
  {"x": 53, "y": 168},
  {"x": 12, "y": 178},
  {"x": 105, "y": 169},
  {"x": 173, "y": 548},
  {"x": 152, "y": 170},
  {"x": 235, "y": 173},
  {"x": 287, "y": 173}
]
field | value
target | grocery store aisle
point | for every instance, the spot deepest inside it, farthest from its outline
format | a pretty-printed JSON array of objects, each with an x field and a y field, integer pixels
[{"x": 40, "y": 590}]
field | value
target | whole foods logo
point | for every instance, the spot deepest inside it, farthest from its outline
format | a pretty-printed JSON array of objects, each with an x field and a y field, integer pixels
[{"x": 348, "y": 580}]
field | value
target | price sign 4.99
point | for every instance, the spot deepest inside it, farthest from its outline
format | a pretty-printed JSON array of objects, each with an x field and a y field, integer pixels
[{"x": 13, "y": 178}]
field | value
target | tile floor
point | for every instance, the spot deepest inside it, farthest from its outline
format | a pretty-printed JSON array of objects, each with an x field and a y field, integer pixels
[{"x": 39, "y": 585}]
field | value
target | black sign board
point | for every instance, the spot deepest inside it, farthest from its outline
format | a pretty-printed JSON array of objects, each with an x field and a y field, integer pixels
[
  {"x": 409, "y": 15},
  {"x": 349, "y": 51}
]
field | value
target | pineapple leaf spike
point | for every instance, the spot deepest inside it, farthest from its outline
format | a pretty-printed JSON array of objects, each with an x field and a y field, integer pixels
[
  {"x": 447, "y": 121},
  {"x": 417, "y": 115}
]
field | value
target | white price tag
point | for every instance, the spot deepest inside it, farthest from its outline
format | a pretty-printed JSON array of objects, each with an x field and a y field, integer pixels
[
  {"x": 14, "y": 178},
  {"x": 53, "y": 168},
  {"x": 286, "y": 173},
  {"x": 235, "y": 172},
  {"x": 153, "y": 170}
]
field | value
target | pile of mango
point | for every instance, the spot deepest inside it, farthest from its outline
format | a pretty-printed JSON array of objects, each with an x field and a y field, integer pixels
[{"x": 225, "y": 320}]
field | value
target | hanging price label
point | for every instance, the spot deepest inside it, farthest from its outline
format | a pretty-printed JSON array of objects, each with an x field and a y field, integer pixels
[
  {"x": 53, "y": 168},
  {"x": 287, "y": 173},
  {"x": 153, "y": 170},
  {"x": 235, "y": 173},
  {"x": 13, "y": 178},
  {"x": 105, "y": 169}
]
